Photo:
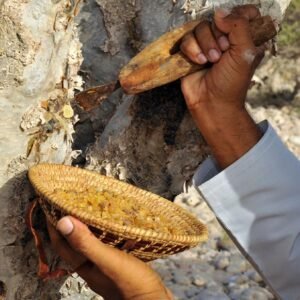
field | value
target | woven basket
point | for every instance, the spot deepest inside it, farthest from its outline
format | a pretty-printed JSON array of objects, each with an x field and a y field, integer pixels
[{"x": 143, "y": 243}]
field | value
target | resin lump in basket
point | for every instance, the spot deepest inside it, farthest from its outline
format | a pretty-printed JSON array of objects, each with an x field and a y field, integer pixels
[{"x": 117, "y": 208}]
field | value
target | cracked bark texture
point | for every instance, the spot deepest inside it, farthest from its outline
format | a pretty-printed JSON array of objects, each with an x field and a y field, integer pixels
[{"x": 148, "y": 140}]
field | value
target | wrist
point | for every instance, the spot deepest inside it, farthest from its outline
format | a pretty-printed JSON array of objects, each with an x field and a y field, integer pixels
[
  {"x": 229, "y": 131},
  {"x": 218, "y": 117}
]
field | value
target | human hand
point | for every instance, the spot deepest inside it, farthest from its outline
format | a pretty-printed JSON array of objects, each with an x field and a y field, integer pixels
[
  {"x": 216, "y": 98},
  {"x": 109, "y": 272},
  {"x": 228, "y": 45}
]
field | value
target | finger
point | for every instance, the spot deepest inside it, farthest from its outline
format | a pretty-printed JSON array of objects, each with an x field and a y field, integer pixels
[
  {"x": 192, "y": 50},
  {"x": 82, "y": 266},
  {"x": 223, "y": 43},
  {"x": 63, "y": 249},
  {"x": 109, "y": 260},
  {"x": 221, "y": 38},
  {"x": 207, "y": 41},
  {"x": 237, "y": 27}
]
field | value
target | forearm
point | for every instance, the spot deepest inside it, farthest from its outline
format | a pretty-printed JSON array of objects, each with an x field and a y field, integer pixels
[{"x": 229, "y": 132}]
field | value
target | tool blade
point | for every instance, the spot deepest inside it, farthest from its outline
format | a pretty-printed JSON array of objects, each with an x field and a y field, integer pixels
[{"x": 93, "y": 97}]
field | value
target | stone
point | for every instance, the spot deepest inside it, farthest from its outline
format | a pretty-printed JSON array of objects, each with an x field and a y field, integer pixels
[
  {"x": 191, "y": 292},
  {"x": 238, "y": 279},
  {"x": 221, "y": 276},
  {"x": 200, "y": 282},
  {"x": 210, "y": 295},
  {"x": 222, "y": 262},
  {"x": 295, "y": 140},
  {"x": 253, "y": 275},
  {"x": 235, "y": 294},
  {"x": 178, "y": 292},
  {"x": 237, "y": 264},
  {"x": 181, "y": 278},
  {"x": 166, "y": 274},
  {"x": 256, "y": 294}
]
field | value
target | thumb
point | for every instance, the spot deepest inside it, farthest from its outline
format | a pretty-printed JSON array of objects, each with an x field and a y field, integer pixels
[
  {"x": 237, "y": 26},
  {"x": 123, "y": 269},
  {"x": 81, "y": 239},
  {"x": 106, "y": 258}
]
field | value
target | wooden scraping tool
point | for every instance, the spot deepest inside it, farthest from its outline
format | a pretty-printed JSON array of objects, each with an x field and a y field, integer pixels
[{"x": 161, "y": 62}]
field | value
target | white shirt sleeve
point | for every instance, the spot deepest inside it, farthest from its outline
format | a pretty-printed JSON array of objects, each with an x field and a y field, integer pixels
[{"x": 257, "y": 200}]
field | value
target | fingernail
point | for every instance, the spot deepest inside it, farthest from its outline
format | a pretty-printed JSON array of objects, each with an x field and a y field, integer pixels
[
  {"x": 222, "y": 12},
  {"x": 214, "y": 55},
  {"x": 224, "y": 43},
  {"x": 65, "y": 226},
  {"x": 202, "y": 58}
]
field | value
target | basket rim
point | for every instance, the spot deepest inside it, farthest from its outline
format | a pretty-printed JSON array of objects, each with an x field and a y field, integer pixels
[{"x": 110, "y": 226}]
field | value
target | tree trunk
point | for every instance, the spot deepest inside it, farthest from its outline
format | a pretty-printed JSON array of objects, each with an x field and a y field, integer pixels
[{"x": 148, "y": 140}]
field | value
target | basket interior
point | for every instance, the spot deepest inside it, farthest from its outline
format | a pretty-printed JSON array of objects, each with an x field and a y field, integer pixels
[{"x": 108, "y": 201}]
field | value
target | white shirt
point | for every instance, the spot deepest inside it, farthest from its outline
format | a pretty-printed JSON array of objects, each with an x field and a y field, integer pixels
[{"x": 257, "y": 200}]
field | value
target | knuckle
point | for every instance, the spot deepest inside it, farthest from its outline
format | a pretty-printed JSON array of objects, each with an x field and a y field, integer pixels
[
  {"x": 206, "y": 38},
  {"x": 216, "y": 32},
  {"x": 79, "y": 243},
  {"x": 203, "y": 24},
  {"x": 85, "y": 241},
  {"x": 187, "y": 37},
  {"x": 185, "y": 47},
  {"x": 202, "y": 28},
  {"x": 81, "y": 246},
  {"x": 240, "y": 24}
]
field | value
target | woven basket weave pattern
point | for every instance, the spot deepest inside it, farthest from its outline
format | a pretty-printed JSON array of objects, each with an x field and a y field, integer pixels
[{"x": 145, "y": 244}]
